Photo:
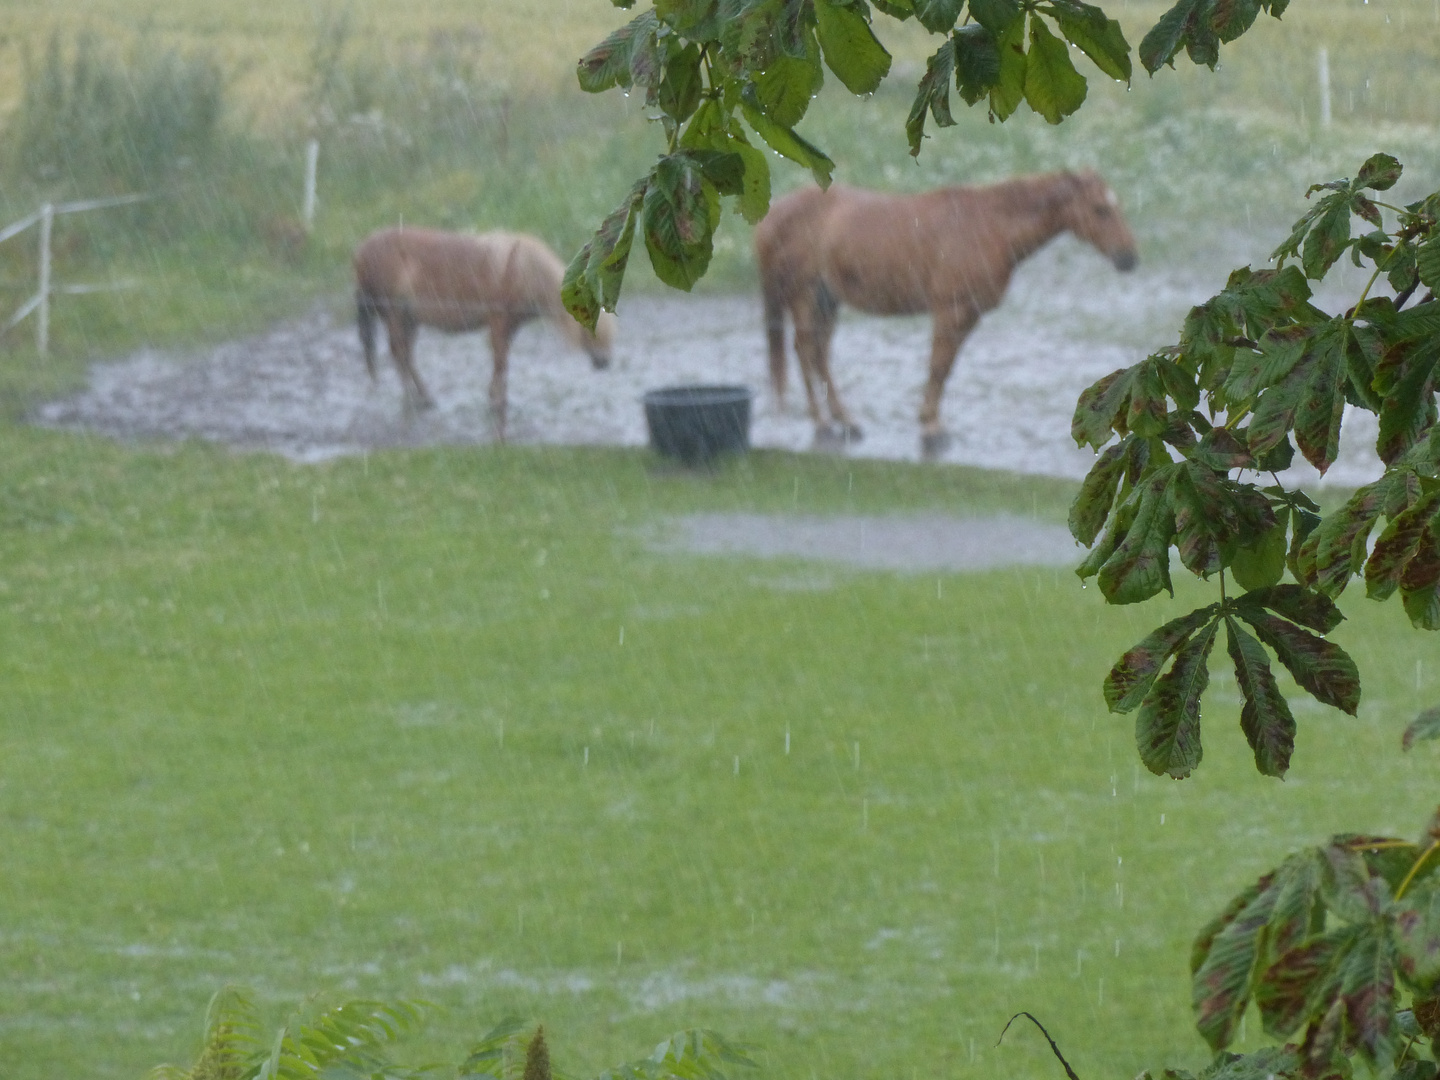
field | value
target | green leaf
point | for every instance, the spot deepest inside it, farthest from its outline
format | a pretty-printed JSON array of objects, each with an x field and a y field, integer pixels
[
  {"x": 1397, "y": 545},
  {"x": 592, "y": 280},
  {"x": 1265, "y": 717},
  {"x": 1130, "y": 679},
  {"x": 1407, "y": 379},
  {"x": 1296, "y": 603},
  {"x": 1147, "y": 414},
  {"x": 1367, "y": 986},
  {"x": 679, "y": 91},
  {"x": 997, "y": 16},
  {"x": 1222, "y": 450},
  {"x": 1167, "y": 730},
  {"x": 1213, "y": 514},
  {"x": 1424, "y": 727},
  {"x": 1281, "y": 348},
  {"x": 1261, "y": 564},
  {"x": 784, "y": 89},
  {"x": 851, "y": 49},
  {"x": 1053, "y": 87},
  {"x": 608, "y": 64},
  {"x": 1417, "y": 933},
  {"x": 1427, "y": 262},
  {"x": 1097, "y": 495},
  {"x": 932, "y": 95},
  {"x": 697, "y": 20},
  {"x": 1380, "y": 172},
  {"x": 1228, "y": 19},
  {"x": 1310, "y": 399},
  {"x": 1320, "y": 667},
  {"x": 1009, "y": 91},
  {"x": 977, "y": 62},
  {"x": 938, "y": 16},
  {"x": 681, "y": 209},
  {"x": 1140, "y": 566},
  {"x": 1287, "y": 990},
  {"x": 755, "y": 33},
  {"x": 1338, "y": 543},
  {"x": 1223, "y": 960},
  {"x": 786, "y": 142},
  {"x": 1098, "y": 37},
  {"x": 1420, "y": 582},
  {"x": 1102, "y": 408},
  {"x": 1160, "y": 45},
  {"x": 755, "y": 196},
  {"x": 899, "y": 9},
  {"x": 1327, "y": 239}
]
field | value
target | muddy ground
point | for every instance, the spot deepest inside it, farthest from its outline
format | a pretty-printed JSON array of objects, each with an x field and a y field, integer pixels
[{"x": 300, "y": 389}]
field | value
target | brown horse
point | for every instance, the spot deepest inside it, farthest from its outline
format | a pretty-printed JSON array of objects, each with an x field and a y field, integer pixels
[
  {"x": 949, "y": 252},
  {"x": 457, "y": 282}
]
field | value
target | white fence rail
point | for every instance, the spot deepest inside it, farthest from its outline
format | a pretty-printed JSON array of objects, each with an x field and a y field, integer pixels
[{"x": 40, "y": 302}]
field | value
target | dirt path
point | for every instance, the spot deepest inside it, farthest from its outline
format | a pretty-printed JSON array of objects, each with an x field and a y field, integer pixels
[
  {"x": 909, "y": 543},
  {"x": 300, "y": 389}
]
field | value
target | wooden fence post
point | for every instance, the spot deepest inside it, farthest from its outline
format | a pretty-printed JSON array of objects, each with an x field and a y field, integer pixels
[
  {"x": 42, "y": 324},
  {"x": 1322, "y": 63},
  {"x": 312, "y": 160}
]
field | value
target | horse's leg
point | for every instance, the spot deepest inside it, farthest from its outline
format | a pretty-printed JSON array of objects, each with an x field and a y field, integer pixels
[
  {"x": 366, "y": 311},
  {"x": 953, "y": 324},
  {"x": 501, "y": 332},
  {"x": 828, "y": 311},
  {"x": 403, "y": 328},
  {"x": 807, "y": 315}
]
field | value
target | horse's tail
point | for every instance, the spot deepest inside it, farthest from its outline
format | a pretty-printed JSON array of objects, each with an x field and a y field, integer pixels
[
  {"x": 367, "y": 310},
  {"x": 774, "y": 303}
]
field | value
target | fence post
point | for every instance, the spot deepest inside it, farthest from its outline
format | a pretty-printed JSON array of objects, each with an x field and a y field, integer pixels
[
  {"x": 1322, "y": 63},
  {"x": 42, "y": 324},
  {"x": 312, "y": 159}
]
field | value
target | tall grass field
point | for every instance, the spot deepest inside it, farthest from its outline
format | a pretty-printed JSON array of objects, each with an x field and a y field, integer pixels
[{"x": 452, "y": 724}]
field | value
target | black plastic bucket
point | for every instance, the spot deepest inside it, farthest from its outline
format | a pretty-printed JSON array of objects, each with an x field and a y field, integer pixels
[{"x": 696, "y": 424}]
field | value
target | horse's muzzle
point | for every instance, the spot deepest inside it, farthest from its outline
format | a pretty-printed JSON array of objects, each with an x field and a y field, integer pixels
[{"x": 1125, "y": 260}]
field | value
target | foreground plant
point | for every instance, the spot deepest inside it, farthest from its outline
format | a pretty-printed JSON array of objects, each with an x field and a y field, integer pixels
[
  {"x": 1194, "y": 435},
  {"x": 1340, "y": 944},
  {"x": 351, "y": 1042}
]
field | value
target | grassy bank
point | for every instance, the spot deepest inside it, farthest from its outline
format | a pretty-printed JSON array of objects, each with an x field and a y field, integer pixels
[{"x": 373, "y": 727}]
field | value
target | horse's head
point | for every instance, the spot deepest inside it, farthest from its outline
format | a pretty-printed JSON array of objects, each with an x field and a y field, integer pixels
[
  {"x": 598, "y": 345},
  {"x": 1093, "y": 214}
]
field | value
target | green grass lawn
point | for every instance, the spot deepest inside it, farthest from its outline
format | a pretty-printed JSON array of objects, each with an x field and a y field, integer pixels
[{"x": 371, "y": 728}]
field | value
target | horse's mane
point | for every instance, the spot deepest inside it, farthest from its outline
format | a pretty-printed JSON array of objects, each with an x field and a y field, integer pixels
[
  {"x": 1040, "y": 191},
  {"x": 535, "y": 274}
]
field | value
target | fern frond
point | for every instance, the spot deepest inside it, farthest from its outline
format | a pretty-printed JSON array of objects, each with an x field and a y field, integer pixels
[
  {"x": 496, "y": 1056},
  {"x": 696, "y": 1054},
  {"x": 303, "y": 1050}
]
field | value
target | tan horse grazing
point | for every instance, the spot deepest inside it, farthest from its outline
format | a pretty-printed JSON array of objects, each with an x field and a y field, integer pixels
[
  {"x": 949, "y": 252},
  {"x": 457, "y": 282}
]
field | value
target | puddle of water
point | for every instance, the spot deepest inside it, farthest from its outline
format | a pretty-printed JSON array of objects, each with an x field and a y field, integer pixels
[
  {"x": 300, "y": 389},
  {"x": 908, "y": 543}
]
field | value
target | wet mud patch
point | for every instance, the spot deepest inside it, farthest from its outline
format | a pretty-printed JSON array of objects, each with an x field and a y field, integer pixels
[
  {"x": 301, "y": 390},
  {"x": 904, "y": 543}
]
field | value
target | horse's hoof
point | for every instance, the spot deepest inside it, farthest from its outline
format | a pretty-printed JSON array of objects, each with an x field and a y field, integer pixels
[
  {"x": 933, "y": 444},
  {"x": 851, "y": 432},
  {"x": 831, "y": 439}
]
